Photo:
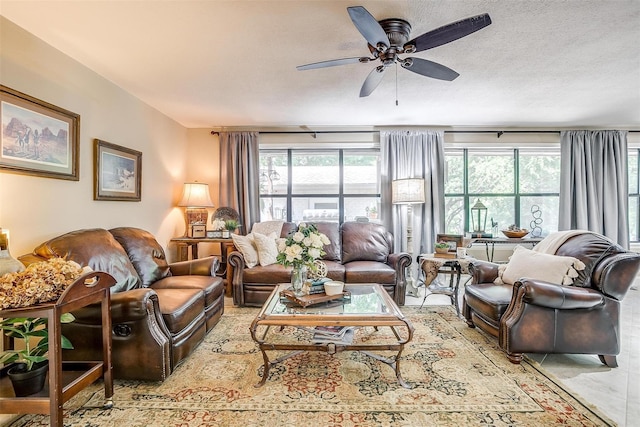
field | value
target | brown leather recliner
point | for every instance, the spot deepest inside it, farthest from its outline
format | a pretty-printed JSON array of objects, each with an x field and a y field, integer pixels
[
  {"x": 360, "y": 252},
  {"x": 160, "y": 312},
  {"x": 534, "y": 316}
]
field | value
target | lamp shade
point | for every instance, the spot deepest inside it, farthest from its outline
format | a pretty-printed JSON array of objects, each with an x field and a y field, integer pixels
[
  {"x": 195, "y": 195},
  {"x": 407, "y": 191}
]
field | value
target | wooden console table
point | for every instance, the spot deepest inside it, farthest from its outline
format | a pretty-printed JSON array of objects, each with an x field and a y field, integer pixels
[
  {"x": 491, "y": 242},
  {"x": 226, "y": 246},
  {"x": 66, "y": 379}
]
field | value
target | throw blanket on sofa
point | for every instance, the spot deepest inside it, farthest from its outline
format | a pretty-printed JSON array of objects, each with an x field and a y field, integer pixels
[{"x": 551, "y": 243}]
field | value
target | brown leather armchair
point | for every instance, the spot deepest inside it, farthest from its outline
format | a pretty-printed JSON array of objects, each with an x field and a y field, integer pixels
[
  {"x": 533, "y": 316},
  {"x": 360, "y": 252},
  {"x": 160, "y": 312}
]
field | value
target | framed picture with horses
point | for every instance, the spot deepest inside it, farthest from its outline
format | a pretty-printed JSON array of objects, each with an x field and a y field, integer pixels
[{"x": 37, "y": 138}]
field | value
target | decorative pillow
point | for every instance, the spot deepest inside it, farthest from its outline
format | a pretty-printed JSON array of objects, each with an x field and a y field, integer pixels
[
  {"x": 267, "y": 248},
  {"x": 524, "y": 262},
  {"x": 246, "y": 245},
  {"x": 267, "y": 227}
]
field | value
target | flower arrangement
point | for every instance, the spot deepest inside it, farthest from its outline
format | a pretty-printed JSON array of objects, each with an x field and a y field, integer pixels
[
  {"x": 217, "y": 224},
  {"x": 303, "y": 247}
]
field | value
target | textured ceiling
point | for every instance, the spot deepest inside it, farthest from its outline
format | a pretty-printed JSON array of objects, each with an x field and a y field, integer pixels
[{"x": 542, "y": 63}]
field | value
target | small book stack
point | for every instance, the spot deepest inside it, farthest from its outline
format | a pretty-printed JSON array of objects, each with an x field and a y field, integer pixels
[
  {"x": 317, "y": 286},
  {"x": 333, "y": 334}
]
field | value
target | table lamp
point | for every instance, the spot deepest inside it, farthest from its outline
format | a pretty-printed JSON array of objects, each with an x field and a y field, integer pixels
[{"x": 196, "y": 200}]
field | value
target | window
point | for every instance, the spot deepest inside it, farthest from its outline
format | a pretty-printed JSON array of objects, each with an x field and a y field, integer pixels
[
  {"x": 319, "y": 184},
  {"x": 517, "y": 185}
]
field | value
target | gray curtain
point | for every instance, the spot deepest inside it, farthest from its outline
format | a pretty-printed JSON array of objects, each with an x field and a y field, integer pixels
[
  {"x": 593, "y": 183},
  {"x": 239, "y": 175},
  {"x": 413, "y": 154}
]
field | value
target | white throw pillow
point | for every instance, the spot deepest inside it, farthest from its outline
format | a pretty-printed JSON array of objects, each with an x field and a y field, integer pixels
[
  {"x": 246, "y": 246},
  {"x": 267, "y": 227},
  {"x": 524, "y": 262},
  {"x": 267, "y": 248}
]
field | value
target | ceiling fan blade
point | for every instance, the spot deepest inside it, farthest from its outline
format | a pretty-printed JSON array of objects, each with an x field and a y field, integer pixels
[
  {"x": 368, "y": 26},
  {"x": 332, "y": 63},
  {"x": 449, "y": 33},
  {"x": 372, "y": 81},
  {"x": 429, "y": 68}
]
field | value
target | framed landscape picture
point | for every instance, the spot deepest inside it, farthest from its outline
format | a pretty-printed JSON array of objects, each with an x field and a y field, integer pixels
[
  {"x": 453, "y": 240},
  {"x": 37, "y": 138},
  {"x": 117, "y": 172}
]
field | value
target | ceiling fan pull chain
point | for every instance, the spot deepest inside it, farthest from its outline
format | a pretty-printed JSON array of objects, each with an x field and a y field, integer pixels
[{"x": 396, "y": 84}]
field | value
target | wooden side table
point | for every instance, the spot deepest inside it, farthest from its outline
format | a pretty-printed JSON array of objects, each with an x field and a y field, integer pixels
[{"x": 66, "y": 379}]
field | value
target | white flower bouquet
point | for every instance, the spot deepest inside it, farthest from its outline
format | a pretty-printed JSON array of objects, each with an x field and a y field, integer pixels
[{"x": 303, "y": 247}]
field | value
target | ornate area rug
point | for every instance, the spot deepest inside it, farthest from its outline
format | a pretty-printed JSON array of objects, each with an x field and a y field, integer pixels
[{"x": 459, "y": 378}]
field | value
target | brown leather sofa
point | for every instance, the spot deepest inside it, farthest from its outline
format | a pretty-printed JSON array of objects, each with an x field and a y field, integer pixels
[
  {"x": 534, "y": 316},
  {"x": 360, "y": 252},
  {"x": 160, "y": 312}
]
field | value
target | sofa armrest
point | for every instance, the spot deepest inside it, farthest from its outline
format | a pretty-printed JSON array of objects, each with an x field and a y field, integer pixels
[
  {"x": 236, "y": 261},
  {"x": 483, "y": 271},
  {"x": 550, "y": 295},
  {"x": 197, "y": 267}
]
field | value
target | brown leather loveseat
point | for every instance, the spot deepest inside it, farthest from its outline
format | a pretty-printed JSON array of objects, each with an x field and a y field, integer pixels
[
  {"x": 360, "y": 252},
  {"x": 534, "y": 316},
  {"x": 160, "y": 312}
]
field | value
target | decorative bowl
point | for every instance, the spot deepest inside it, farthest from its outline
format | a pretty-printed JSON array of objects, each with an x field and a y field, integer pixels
[
  {"x": 333, "y": 287},
  {"x": 515, "y": 234}
]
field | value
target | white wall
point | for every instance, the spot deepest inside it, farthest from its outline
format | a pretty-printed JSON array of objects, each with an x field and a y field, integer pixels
[{"x": 35, "y": 209}]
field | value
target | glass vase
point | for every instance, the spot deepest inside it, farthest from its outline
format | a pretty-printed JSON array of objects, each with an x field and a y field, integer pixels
[{"x": 298, "y": 277}]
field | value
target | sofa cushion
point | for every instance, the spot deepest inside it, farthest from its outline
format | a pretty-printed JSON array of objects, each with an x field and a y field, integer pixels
[
  {"x": 212, "y": 286},
  {"x": 331, "y": 230},
  {"x": 268, "y": 227},
  {"x": 369, "y": 272},
  {"x": 560, "y": 270},
  {"x": 364, "y": 242},
  {"x": 145, "y": 253},
  {"x": 95, "y": 248},
  {"x": 180, "y": 307},
  {"x": 272, "y": 274}
]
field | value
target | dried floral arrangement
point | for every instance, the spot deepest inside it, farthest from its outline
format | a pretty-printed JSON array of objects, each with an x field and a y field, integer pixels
[{"x": 39, "y": 282}]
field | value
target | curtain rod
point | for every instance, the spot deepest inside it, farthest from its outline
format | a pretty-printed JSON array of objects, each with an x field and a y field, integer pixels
[{"x": 315, "y": 133}]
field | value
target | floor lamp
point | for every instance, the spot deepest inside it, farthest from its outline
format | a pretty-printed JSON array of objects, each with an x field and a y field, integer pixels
[{"x": 409, "y": 191}]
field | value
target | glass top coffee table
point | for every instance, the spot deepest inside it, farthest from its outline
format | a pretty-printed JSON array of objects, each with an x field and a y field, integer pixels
[{"x": 364, "y": 305}]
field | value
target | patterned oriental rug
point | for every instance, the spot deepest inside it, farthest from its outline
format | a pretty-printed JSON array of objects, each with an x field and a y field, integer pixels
[{"x": 459, "y": 378}]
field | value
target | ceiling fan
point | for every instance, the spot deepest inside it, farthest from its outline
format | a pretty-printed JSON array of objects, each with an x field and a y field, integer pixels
[{"x": 388, "y": 38}]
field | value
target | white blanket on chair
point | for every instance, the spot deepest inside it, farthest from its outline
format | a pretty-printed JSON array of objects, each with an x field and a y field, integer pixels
[{"x": 551, "y": 243}]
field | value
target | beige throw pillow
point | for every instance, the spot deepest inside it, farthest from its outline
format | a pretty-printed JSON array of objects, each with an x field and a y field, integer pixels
[
  {"x": 524, "y": 262},
  {"x": 246, "y": 246},
  {"x": 267, "y": 248}
]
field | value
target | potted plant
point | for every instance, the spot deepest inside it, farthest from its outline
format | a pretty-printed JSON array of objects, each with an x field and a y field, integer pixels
[
  {"x": 218, "y": 225},
  {"x": 442, "y": 247},
  {"x": 30, "y": 361},
  {"x": 230, "y": 225}
]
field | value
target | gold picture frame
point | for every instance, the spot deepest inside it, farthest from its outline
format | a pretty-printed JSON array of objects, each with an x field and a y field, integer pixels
[
  {"x": 117, "y": 172},
  {"x": 453, "y": 240},
  {"x": 37, "y": 138}
]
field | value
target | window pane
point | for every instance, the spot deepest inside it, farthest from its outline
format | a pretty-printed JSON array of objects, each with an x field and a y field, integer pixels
[
  {"x": 361, "y": 209},
  {"x": 315, "y": 172},
  {"x": 314, "y": 209},
  {"x": 541, "y": 211},
  {"x": 454, "y": 215},
  {"x": 491, "y": 172},
  {"x": 273, "y": 208},
  {"x": 454, "y": 172},
  {"x": 633, "y": 171},
  {"x": 361, "y": 173},
  {"x": 539, "y": 172},
  {"x": 633, "y": 219},
  {"x": 273, "y": 172}
]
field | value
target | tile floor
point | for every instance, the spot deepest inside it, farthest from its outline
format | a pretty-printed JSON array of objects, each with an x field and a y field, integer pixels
[{"x": 615, "y": 392}]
